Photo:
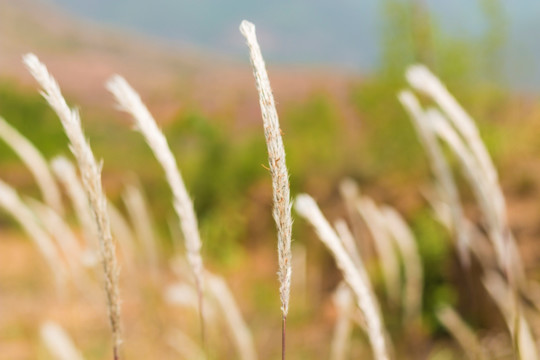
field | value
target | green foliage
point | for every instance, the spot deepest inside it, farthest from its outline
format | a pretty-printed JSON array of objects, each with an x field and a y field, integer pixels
[{"x": 28, "y": 112}]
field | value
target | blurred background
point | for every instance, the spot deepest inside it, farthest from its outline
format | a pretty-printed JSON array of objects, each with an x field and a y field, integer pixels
[{"x": 335, "y": 69}]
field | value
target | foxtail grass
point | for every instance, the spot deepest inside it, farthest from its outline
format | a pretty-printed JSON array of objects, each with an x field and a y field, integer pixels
[
  {"x": 278, "y": 170},
  {"x": 90, "y": 172}
]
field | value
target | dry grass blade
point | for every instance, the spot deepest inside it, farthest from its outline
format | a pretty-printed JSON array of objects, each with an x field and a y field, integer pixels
[
  {"x": 230, "y": 310},
  {"x": 344, "y": 304},
  {"x": 512, "y": 312},
  {"x": 141, "y": 221},
  {"x": 462, "y": 333},
  {"x": 12, "y": 204},
  {"x": 91, "y": 178},
  {"x": 412, "y": 261},
  {"x": 481, "y": 189},
  {"x": 130, "y": 102},
  {"x": 58, "y": 342},
  {"x": 440, "y": 169},
  {"x": 389, "y": 261},
  {"x": 420, "y": 78},
  {"x": 123, "y": 234},
  {"x": 35, "y": 162},
  {"x": 308, "y": 209},
  {"x": 278, "y": 167}
]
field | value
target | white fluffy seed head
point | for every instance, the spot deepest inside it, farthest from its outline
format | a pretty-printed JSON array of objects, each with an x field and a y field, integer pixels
[
  {"x": 276, "y": 160},
  {"x": 90, "y": 171}
]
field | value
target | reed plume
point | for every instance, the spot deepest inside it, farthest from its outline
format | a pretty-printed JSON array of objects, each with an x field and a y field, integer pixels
[
  {"x": 278, "y": 169},
  {"x": 90, "y": 172},
  {"x": 130, "y": 102}
]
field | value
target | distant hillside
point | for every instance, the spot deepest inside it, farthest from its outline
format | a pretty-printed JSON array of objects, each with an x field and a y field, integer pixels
[
  {"x": 341, "y": 33},
  {"x": 169, "y": 76}
]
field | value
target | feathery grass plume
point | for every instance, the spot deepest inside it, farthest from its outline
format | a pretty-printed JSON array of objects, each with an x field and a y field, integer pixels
[
  {"x": 58, "y": 342},
  {"x": 420, "y": 78},
  {"x": 67, "y": 241},
  {"x": 141, "y": 221},
  {"x": 185, "y": 346},
  {"x": 67, "y": 175},
  {"x": 441, "y": 170},
  {"x": 276, "y": 161},
  {"x": 412, "y": 262},
  {"x": 464, "y": 335},
  {"x": 511, "y": 309},
  {"x": 344, "y": 304},
  {"x": 307, "y": 208},
  {"x": 90, "y": 172},
  {"x": 123, "y": 234},
  {"x": 13, "y": 205},
  {"x": 130, "y": 102},
  {"x": 385, "y": 250},
  {"x": 233, "y": 317},
  {"x": 35, "y": 162},
  {"x": 485, "y": 195}
]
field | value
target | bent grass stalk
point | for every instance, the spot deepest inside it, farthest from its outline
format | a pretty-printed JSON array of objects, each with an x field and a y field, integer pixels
[
  {"x": 441, "y": 170},
  {"x": 278, "y": 170},
  {"x": 130, "y": 102},
  {"x": 307, "y": 208},
  {"x": 91, "y": 179}
]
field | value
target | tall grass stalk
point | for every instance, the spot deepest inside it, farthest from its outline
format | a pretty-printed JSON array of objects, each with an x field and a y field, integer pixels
[
  {"x": 389, "y": 261},
  {"x": 344, "y": 304},
  {"x": 412, "y": 262},
  {"x": 308, "y": 209},
  {"x": 278, "y": 169},
  {"x": 90, "y": 172},
  {"x": 130, "y": 102},
  {"x": 441, "y": 170},
  {"x": 35, "y": 162},
  {"x": 464, "y": 335},
  {"x": 233, "y": 317},
  {"x": 123, "y": 234},
  {"x": 141, "y": 221},
  {"x": 512, "y": 311}
]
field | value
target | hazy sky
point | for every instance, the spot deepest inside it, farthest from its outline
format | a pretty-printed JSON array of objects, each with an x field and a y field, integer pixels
[{"x": 343, "y": 33}]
